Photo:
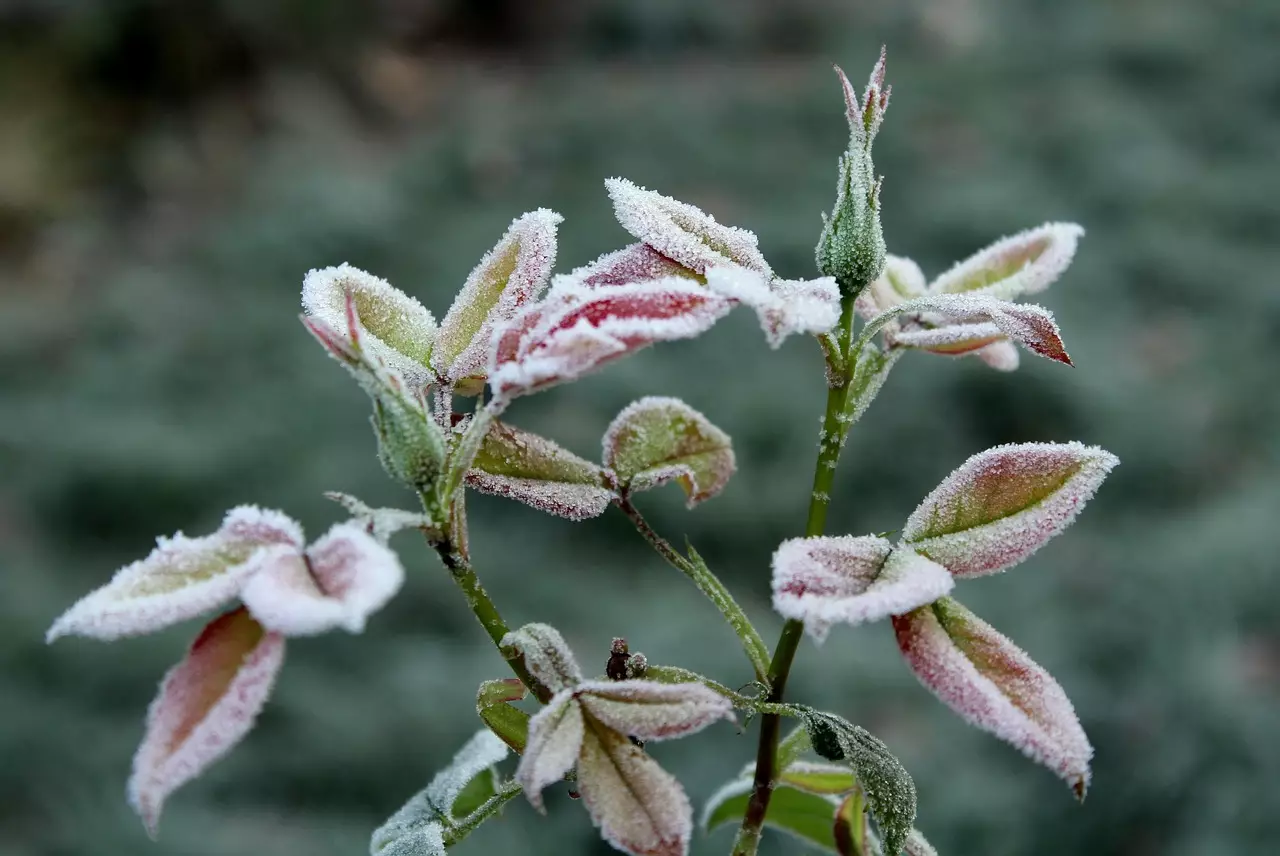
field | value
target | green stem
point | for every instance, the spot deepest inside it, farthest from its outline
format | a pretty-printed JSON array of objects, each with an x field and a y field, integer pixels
[{"x": 709, "y": 584}]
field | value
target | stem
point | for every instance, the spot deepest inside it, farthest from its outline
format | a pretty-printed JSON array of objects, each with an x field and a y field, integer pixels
[
  {"x": 709, "y": 584},
  {"x": 834, "y": 427}
]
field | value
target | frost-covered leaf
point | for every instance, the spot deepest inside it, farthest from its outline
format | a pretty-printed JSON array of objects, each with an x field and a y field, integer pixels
[
  {"x": 1025, "y": 263},
  {"x": 1001, "y": 356},
  {"x": 393, "y": 327},
  {"x": 994, "y": 685},
  {"x": 682, "y": 232},
  {"x": 510, "y": 723},
  {"x": 890, "y": 791},
  {"x": 918, "y": 845},
  {"x": 181, "y": 578},
  {"x": 634, "y": 263},
  {"x": 803, "y": 815},
  {"x": 900, "y": 281},
  {"x": 785, "y": 306},
  {"x": 648, "y": 710},
  {"x": 577, "y": 331},
  {"x": 981, "y": 320},
  {"x": 1002, "y": 505},
  {"x": 381, "y": 523},
  {"x": 527, "y": 467},
  {"x": 827, "y": 580},
  {"x": 639, "y": 807},
  {"x": 546, "y": 655},
  {"x": 869, "y": 374},
  {"x": 207, "y": 703},
  {"x": 655, "y": 440},
  {"x": 818, "y": 778},
  {"x": 510, "y": 276},
  {"x": 424, "y": 840},
  {"x": 555, "y": 737},
  {"x": 851, "y": 831},
  {"x": 342, "y": 579}
]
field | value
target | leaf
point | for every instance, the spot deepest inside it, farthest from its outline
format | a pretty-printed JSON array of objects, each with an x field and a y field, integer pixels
[
  {"x": 983, "y": 319},
  {"x": 1001, "y": 356},
  {"x": 634, "y": 263},
  {"x": 682, "y": 232},
  {"x": 181, "y": 578},
  {"x": 639, "y": 807},
  {"x": 818, "y": 778},
  {"x": 555, "y": 737},
  {"x": 510, "y": 276},
  {"x": 527, "y": 467},
  {"x": 900, "y": 281},
  {"x": 918, "y": 845},
  {"x": 785, "y": 306},
  {"x": 805, "y": 816},
  {"x": 1002, "y": 505},
  {"x": 577, "y": 331},
  {"x": 341, "y": 580},
  {"x": 655, "y": 440},
  {"x": 869, "y": 375},
  {"x": 994, "y": 685},
  {"x": 545, "y": 654},
  {"x": 890, "y": 791},
  {"x": 1025, "y": 263},
  {"x": 826, "y": 580},
  {"x": 649, "y": 710},
  {"x": 207, "y": 703},
  {"x": 381, "y": 523},
  {"x": 510, "y": 723},
  {"x": 850, "y": 829},
  {"x": 393, "y": 327}
]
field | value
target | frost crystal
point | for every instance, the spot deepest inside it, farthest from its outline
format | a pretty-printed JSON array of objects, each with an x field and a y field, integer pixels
[
  {"x": 994, "y": 685},
  {"x": 826, "y": 580},
  {"x": 530, "y": 468},
  {"x": 1002, "y": 505},
  {"x": 683, "y": 232},
  {"x": 181, "y": 578},
  {"x": 397, "y": 329},
  {"x": 648, "y": 710},
  {"x": 655, "y": 440},
  {"x": 510, "y": 276},
  {"x": 207, "y": 703},
  {"x": 631, "y": 264},
  {"x": 546, "y": 655},
  {"x": 555, "y": 738},
  {"x": 1025, "y": 263},
  {"x": 955, "y": 324},
  {"x": 785, "y": 306}
]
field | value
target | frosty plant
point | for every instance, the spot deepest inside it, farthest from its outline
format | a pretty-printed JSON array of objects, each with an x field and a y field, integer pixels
[{"x": 515, "y": 330}]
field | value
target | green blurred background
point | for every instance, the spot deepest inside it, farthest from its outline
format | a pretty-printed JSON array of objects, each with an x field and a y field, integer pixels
[{"x": 169, "y": 171}]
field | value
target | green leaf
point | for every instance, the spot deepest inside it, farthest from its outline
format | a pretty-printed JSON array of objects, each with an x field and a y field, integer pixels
[
  {"x": 511, "y": 724},
  {"x": 870, "y": 373},
  {"x": 529, "y": 468},
  {"x": 818, "y": 778},
  {"x": 803, "y": 815},
  {"x": 656, "y": 440},
  {"x": 889, "y": 788},
  {"x": 850, "y": 828}
]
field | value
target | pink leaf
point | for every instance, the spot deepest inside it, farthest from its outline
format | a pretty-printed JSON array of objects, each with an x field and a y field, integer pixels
[
  {"x": 574, "y": 333},
  {"x": 657, "y": 439},
  {"x": 785, "y": 306},
  {"x": 207, "y": 703},
  {"x": 181, "y": 578},
  {"x": 509, "y": 277},
  {"x": 343, "y": 578},
  {"x": 994, "y": 685},
  {"x": 901, "y": 280},
  {"x": 1001, "y": 356},
  {"x": 1025, "y": 263},
  {"x": 1002, "y": 505},
  {"x": 529, "y": 468},
  {"x": 555, "y": 738},
  {"x": 984, "y": 319},
  {"x": 826, "y": 580},
  {"x": 682, "y": 232},
  {"x": 545, "y": 654},
  {"x": 639, "y": 807},
  {"x": 634, "y": 263},
  {"x": 648, "y": 710}
]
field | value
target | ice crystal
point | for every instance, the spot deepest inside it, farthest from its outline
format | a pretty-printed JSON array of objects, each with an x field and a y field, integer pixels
[
  {"x": 527, "y": 467},
  {"x": 381, "y": 523},
  {"x": 634, "y": 263},
  {"x": 826, "y": 580},
  {"x": 681, "y": 231},
  {"x": 994, "y": 685},
  {"x": 1025, "y": 263},
  {"x": 961, "y": 323},
  {"x": 1002, "y": 505},
  {"x": 785, "y": 306},
  {"x": 917, "y": 845},
  {"x": 546, "y": 655},
  {"x": 555, "y": 739},
  {"x": 655, "y": 440},
  {"x": 648, "y": 710},
  {"x": 207, "y": 703}
]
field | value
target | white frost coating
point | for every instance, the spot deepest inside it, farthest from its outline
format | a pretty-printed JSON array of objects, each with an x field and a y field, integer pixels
[
  {"x": 1025, "y": 263},
  {"x": 546, "y": 655},
  {"x": 994, "y": 685},
  {"x": 681, "y": 231},
  {"x": 207, "y": 703},
  {"x": 900, "y": 281},
  {"x": 345, "y": 577},
  {"x": 639, "y": 807},
  {"x": 827, "y": 580},
  {"x": 784, "y": 306},
  {"x": 555, "y": 738},
  {"x": 181, "y": 578},
  {"x": 957, "y": 339},
  {"x": 648, "y": 710},
  {"x": 1028, "y": 325},
  {"x": 657, "y": 439},
  {"x": 479, "y": 753},
  {"x": 563, "y": 499},
  {"x": 397, "y": 329},
  {"x": 631, "y": 264},
  {"x": 381, "y": 523},
  {"x": 424, "y": 840},
  {"x": 917, "y": 845},
  {"x": 1001, "y": 356},
  {"x": 510, "y": 276},
  {"x": 1002, "y": 505}
]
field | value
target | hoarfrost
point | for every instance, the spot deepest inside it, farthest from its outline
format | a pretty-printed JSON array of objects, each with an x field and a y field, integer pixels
[
  {"x": 917, "y": 845},
  {"x": 546, "y": 655},
  {"x": 527, "y": 467},
  {"x": 555, "y": 738},
  {"x": 648, "y": 710},
  {"x": 1030, "y": 326},
  {"x": 570, "y": 501},
  {"x": 784, "y": 306},
  {"x": 381, "y": 523},
  {"x": 1025, "y": 263},
  {"x": 657, "y": 439},
  {"x": 632, "y": 264}
]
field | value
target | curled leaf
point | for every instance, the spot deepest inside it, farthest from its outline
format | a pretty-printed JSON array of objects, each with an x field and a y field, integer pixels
[
  {"x": 555, "y": 738},
  {"x": 527, "y": 467},
  {"x": 546, "y": 655},
  {"x": 381, "y": 523},
  {"x": 681, "y": 231},
  {"x": 994, "y": 685},
  {"x": 634, "y": 263},
  {"x": 806, "y": 816},
  {"x": 785, "y": 306},
  {"x": 1002, "y": 505},
  {"x": 510, "y": 276},
  {"x": 510, "y": 723},
  {"x": 1025, "y": 263},
  {"x": 207, "y": 703},
  {"x": 181, "y": 578},
  {"x": 648, "y": 710},
  {"x": 955, "y": 324},
  {"x": 655, "y": 440}
]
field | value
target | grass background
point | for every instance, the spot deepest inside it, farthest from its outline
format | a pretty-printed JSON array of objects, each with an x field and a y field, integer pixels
[{"x": 168, "y": 173}]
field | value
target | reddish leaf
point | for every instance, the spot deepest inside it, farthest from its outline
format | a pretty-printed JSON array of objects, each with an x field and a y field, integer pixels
[
  {"x": 529, "y": 468},
  {"x": 656, "y": 440},
  {"x": 649, "y": 710},
  {"x": 632, "y": 264},
  {"x": 785, "y": 306}
]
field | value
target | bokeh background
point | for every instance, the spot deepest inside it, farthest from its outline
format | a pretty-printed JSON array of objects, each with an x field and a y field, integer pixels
[{"x": 169, "y": 171}]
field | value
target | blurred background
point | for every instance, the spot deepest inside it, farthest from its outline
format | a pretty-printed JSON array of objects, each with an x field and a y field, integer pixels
[{"x": 169, "y": 171}]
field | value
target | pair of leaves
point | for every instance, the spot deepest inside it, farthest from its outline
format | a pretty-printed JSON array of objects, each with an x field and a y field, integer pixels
[{"x": 651, "y": 442}]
